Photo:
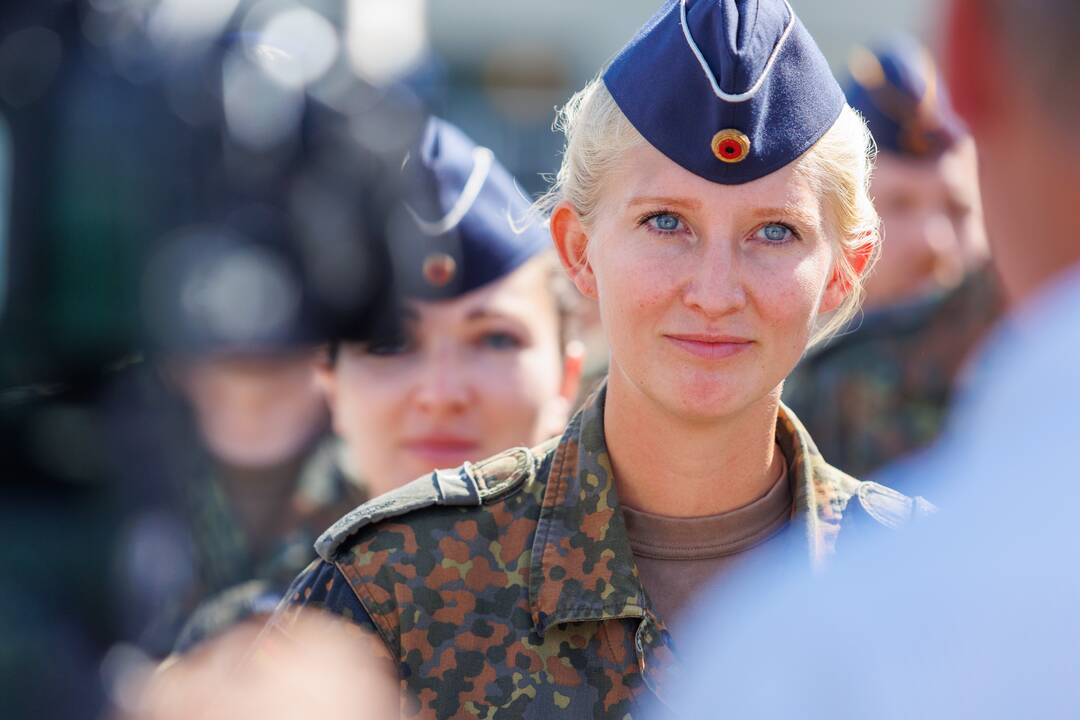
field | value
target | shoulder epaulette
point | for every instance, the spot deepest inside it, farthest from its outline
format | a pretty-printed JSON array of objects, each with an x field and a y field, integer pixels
[
  {"x": 889, "y": 507},
  {"x": 470, "y": 485}
]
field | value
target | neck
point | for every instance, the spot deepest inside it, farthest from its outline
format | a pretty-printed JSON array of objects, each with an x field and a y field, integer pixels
[{"x": 677, "y": 467}]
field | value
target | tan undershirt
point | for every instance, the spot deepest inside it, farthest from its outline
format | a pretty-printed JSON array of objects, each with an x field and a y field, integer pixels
[{"x": 676, "y": 557}]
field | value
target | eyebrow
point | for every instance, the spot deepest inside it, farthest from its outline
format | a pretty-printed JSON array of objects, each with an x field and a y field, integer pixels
[
  {"x": 484, "y": 313},
  {"x": 803, "y": 217},
  {"x": 687, "y": 203}
]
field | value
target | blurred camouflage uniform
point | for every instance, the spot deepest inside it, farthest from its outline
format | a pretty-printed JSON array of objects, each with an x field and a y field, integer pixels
[
  {"x": 881, "y": 391},
  {"x": 239, "y": 581},
  {"x": 508, "y": 588}
]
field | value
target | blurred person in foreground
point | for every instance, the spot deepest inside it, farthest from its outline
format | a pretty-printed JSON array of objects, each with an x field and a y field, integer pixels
[
  {"x": 236, "y": 311},
  {"x": 719, "y": 242},
  {"x": 485, "y": 359},
  {"x": 113, "y": 149},
  {"x": 977, "y": 615},
  {"x": 880, "y": 389},
  {"x": 322, "y": 669}
]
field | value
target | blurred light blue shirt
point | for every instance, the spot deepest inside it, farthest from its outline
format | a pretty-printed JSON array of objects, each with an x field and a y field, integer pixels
[{"x": 973, "y": 614}]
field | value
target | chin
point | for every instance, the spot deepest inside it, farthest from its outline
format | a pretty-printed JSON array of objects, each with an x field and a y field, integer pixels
[{"x": 705, "y": 399}]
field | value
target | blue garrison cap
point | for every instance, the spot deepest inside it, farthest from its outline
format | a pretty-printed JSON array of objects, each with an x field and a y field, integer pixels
[
  {"x": 898, "y": 89},
  {"x": 731, "y": 90},
  {"x": 472, "y": 218}
]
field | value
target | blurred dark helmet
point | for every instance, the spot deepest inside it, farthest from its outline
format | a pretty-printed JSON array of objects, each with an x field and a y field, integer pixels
[{"x": 189, "y": 178}]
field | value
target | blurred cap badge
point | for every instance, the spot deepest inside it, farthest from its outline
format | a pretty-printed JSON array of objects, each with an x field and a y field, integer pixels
[
  {"x": 467, "y": 207},
  {"x": 439, "y": 269},
  {"x": 730, "y": 146}
]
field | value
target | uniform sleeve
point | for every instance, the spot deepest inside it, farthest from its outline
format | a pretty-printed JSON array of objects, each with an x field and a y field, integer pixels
[{"x": 321, "y": 586}]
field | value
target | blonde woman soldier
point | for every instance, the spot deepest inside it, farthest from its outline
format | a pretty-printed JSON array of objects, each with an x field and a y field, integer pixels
[{"x": 712, "y": 199}]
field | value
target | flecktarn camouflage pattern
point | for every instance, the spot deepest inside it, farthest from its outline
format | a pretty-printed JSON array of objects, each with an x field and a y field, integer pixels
[{"x": 508, "y": 588}]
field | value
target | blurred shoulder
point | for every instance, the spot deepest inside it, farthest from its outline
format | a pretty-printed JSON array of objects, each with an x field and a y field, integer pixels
[{"x": 322, "y": 586}]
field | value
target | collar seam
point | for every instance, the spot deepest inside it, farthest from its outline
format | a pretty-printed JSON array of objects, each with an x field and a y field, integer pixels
[{"x": 556, "y": 484}]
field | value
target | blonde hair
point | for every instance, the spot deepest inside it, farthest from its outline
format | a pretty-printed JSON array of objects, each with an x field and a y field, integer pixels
[{"x": 838, "y": 167}]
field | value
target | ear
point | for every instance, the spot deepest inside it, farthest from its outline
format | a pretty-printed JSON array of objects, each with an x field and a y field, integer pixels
[
  {"x": 839, "y": 286},
  {"x": 969, "y": 61},
  {"x": 571, "y": 242}
]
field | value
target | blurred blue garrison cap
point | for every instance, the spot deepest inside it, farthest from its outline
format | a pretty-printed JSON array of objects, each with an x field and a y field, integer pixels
[
  {"x": 731, "y": 90},
  {"x": 898, "y": 89},
  {"x": 473, "y": 220}
]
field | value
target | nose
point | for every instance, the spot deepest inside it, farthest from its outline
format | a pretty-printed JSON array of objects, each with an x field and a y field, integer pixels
[
  {"x": 716, "y": 285},
  {"x": 443, "y": 385}
]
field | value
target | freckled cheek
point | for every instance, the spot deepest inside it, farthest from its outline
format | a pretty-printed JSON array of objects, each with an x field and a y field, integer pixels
[
  {"x": 788, "y": 299},
  {"x": 634, "y": 291}
]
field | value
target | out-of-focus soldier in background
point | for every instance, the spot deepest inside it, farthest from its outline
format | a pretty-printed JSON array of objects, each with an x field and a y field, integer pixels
[
  {"x": 265, "y": 481},
  {"x": 167, "y": 186},
  {"x": 881, "y": 389},
  {"x": 925, "y": 184},
  {"x": 259, "y": 417},
  {"x": 975, "y": 616},
  {"x": 487, "y": 357}
]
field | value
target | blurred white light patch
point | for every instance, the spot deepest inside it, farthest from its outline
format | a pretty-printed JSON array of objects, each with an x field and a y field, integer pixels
[
  {"x": 247, "y": 295},
  {"x": 259, "y": 111},
  {"x": 294, "y": 46},
  {"x": 177, "y": 23},
  {"x": 386, "y": 39}
]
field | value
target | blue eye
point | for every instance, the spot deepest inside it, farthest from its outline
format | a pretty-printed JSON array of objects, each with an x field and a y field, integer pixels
[
  {"x": 665, "y": 222},
  {"x": 775, "y": 233},
  {"x": 500, "y": 341}
]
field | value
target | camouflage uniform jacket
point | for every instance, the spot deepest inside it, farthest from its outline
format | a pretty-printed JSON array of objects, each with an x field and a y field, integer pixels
[{"x": 508, "y": 588}]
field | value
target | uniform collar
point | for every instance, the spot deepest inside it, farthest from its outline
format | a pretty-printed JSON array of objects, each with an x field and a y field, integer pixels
[
  {"x": 820, "y": 491},
  {"x": 582, "y": 565}
]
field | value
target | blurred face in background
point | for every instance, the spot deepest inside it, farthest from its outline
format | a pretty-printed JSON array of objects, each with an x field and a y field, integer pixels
[
  {"x": 253, "y": 411},
  {"x": 932, "y": 224},
  {"x": 473, "y": 376}
]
